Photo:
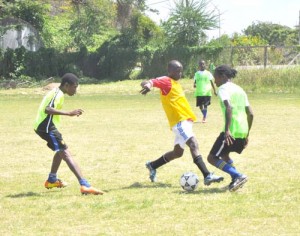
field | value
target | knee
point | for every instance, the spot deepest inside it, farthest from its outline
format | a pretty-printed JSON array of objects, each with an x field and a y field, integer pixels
[
  {"x": 178, "y": 153},
  {"x": 211, "y": 159}
]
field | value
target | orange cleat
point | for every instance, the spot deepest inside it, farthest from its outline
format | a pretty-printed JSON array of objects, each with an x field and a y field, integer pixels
[
  {"x": 57, "y": 184},
  {"x": 90, "y": 190}
]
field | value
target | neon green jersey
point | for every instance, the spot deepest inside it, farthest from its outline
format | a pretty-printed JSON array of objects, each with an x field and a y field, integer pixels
[
  {"x": 203, "y": 83},
  {"x": 238, "y": 101},
  {"x": 45, "y": 122}
]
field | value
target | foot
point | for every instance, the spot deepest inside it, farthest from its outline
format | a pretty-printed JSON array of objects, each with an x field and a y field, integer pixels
[
  {"x": 211, "y": 178},
  {"x": 238, "y": 183},
  {"x": 152, "y": 172},
  {"x": 57, "y": 184},
  {"x": 204, "y": 120},
  {"x": 90, "y": 190}
]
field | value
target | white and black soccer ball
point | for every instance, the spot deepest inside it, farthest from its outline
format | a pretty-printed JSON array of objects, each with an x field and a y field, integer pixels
[{"x": 189, "y": 181}]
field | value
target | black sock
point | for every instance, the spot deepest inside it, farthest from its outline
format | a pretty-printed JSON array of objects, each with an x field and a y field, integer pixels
[
  {"x": 201, "y": 165},
  {"x": 159, "y": 162}
]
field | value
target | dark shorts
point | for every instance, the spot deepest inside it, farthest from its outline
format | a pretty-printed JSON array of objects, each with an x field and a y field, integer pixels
[
  {"x": 220, "y": 147},
  {"x": 203, "y": 101},
  {"x": 54, "y": 140}
]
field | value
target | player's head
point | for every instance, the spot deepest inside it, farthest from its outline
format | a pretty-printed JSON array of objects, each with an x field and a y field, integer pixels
[
  {"x": 223, "y": 74},
  {"x": 202, "y": 65},
  {"x": 174, "y": 69},
  {"x": 69, "y": 84}
]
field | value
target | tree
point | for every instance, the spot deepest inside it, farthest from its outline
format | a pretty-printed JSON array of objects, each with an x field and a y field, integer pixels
[
  {"x": 274, "y": 34},
  {"x": 188, "y": 22},
  {"x": 93, "y": 19}
]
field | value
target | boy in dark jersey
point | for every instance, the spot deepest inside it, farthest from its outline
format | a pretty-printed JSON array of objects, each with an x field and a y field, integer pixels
[
  {"x": 238, "y": 117},
  {"x": 46, "y": 123}
]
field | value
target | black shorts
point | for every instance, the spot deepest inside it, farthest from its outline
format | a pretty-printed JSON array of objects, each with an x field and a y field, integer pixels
[
  {"x": 220, "y": 147},
  {"x": 54, "y": 140},
  {"x": 203, "y": 101}
]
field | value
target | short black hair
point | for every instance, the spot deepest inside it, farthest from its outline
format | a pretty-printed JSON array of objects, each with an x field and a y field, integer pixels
[
  {"x": 69, "y": 78},
  {"x": 225, "y": 71}
]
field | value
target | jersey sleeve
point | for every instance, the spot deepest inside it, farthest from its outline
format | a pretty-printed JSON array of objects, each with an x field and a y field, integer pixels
[
  {"x": 223, "y": 94},
  {"x": 210, "y": 76},
  {"x": 163, "y": 83}
]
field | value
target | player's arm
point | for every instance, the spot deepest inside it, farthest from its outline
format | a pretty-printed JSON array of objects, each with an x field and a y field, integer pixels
[
  {"x": 163, "y": 83},
  {"x": 250, "y": 117},
  {"x": 214, "y": 88},
  {"x": 146, "y": 86},
  {"x": 52, "y": 111},
  {"x": 228, "y": 116}
]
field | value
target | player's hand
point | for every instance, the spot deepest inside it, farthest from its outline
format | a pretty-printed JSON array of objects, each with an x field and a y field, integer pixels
[
  {"x": 228, "y": 138},
  {"x": 77, "y": 112},
  {"x": 146, "y": 87}
]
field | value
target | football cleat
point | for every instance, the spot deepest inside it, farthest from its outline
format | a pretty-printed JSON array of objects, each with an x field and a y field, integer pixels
[
  {"x": 57, "y": 184},
  {"x": 237, "y": 183},
  {"x": 90, "y": 190},
  {"x": 211, "y": 178},
  {"x": 152, "y": 172}
]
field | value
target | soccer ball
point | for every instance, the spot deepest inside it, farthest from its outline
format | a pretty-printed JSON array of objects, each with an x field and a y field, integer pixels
[{"x": 189, "y": 181}]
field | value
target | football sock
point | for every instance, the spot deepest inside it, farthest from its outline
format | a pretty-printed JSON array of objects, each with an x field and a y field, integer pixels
[
  {"x": 84, "y": 182},
  {"x": 201, "y": 165},
  {"x": 204, "y": 112},
  {"x": 230, "y": 162},
  {"x": 159, "y": 162},
  {"x": 52, "y": 177},
  {"x": 222, "y": 165}
]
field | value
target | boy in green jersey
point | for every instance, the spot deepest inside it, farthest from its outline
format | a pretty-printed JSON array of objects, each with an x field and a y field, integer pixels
[
  {"x": 203, "y": 82},
  {"x": 238, "y": 118},
  {"x": 46, "y": 124}
]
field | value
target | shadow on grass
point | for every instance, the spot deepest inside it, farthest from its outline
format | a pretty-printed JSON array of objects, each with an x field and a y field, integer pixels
[
  {"x": 150, "y": 185},
  {"x": 22, "y": 195},
  {"x": 205, "y": 191}
]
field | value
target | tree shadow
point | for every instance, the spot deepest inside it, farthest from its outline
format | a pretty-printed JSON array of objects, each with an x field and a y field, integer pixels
[{"x": 23, "y": 195}]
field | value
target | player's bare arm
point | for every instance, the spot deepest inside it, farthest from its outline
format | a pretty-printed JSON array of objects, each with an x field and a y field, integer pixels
[
  {"x": 146, "y": 87},
  {"x": 53, "y": 111},
  {"x": 228, "y": 137}
]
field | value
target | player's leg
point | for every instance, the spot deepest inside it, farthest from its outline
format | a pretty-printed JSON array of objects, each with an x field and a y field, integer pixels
[
  {"x": 209, "y": 178},
  {"x": 206, "y": 103},
  {"x": 164, "y": 159},
  {"x": 221, "y": 149},
  {"x": 55, "y": 143},
  {"x": 228, "y": 159},
  {"x": 85, "y": 188}
]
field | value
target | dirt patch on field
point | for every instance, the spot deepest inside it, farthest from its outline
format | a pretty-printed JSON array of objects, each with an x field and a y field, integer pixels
[{"x": 51, "y": 86}]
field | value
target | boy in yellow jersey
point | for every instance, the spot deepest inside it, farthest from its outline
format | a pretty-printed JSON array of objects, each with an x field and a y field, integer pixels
[
  {"x": 46, "y": 123},
  {"x": 203, "y": 83},
  {"x": 238, "y": 117},
  {"x": 181, "y": 118}
]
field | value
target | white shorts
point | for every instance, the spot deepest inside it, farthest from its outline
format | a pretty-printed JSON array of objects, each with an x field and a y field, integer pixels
[{"x": 183, "y": 132}]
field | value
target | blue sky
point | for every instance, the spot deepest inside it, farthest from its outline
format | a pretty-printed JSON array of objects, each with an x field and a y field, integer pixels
[{"x": 237, "y": 15}]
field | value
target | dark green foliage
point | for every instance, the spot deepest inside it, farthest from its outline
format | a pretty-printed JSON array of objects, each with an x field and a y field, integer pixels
[{"x": 117, "y": 58}]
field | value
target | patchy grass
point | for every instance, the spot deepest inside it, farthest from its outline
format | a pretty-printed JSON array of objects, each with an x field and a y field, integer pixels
[{"x": 119, "y": 131}]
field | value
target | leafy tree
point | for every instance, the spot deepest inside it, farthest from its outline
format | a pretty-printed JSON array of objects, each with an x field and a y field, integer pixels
[
  {"x": 29, "y": 11},
  {"x": 94, "y": 19},
  {"x": 274, "y": 34},
  {"x": 188, "y": 22}
]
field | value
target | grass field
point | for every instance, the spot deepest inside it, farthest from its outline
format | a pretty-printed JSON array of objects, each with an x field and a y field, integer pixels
[{"x": 119, "y": 131}]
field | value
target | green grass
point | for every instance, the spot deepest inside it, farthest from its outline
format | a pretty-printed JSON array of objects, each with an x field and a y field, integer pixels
[{"x": 119, "y": 131}]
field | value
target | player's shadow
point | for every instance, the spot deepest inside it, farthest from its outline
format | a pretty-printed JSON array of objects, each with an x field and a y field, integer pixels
[
  {"x": 138, "y": 185},
  {"x": 206, "y": 191},
  {"x": 23, "y": 195}
]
